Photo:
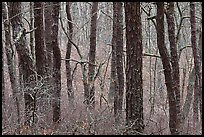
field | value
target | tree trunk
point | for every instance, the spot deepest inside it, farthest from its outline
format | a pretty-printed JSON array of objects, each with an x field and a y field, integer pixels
[
  {"x": 25, "y": 60},
  {"x": 134, "y": 90},
  {"x": 118, "y": 44},
  {"x": 41, "y": 62},
  {"x": 32, "y": 47},
  {"x": 40, "y": 50},
  {"x": 92, "y": 57},
  {"x": 56, "y": 65},
  {"x": 68, "y": 53},
  {"x": 173, "y": 117},
  {"x": 113, "y": 82},
  {"x": 197, "y": 58},
  {"x": 11, "y": 66},
  {"x": 49, "y": 55},
  {"x": 174, "y": 59}
]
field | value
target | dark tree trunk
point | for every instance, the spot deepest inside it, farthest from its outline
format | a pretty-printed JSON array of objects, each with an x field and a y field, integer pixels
[
  {"x": 48, "y": 9},
  {"x": 41, "y": 61},
  {"x": 197, "y": 59},
  {"x": 48, "y": 39},
  {"x": 56, "y": 64},
  {"x": 173, "y": 117},
  {"x": 68, "y": 53},
  {"x": 40, "y": 50},
  {"x": 25, "y": 60},
  {"x": 174, "y": 59},
  {"x": 134, "y": 90},
  {"x": 118, "y": 44},
  {"x": 92, "y": 57}
]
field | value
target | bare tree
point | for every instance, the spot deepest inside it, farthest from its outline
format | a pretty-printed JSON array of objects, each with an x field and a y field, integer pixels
[
  {"x": 25, "y": 60},
  {"x": 39, "y": 39},
  {"x": 90, "y": 95},
  {"x": 173, "y": 112},
  {"x": 41, "y": 60},
  {"x": 113, "y": 82},
  {"x": 197, "y": 60},
  {"x": 48, "y": 21},
  {"x": 134, "y": 89},
  {"x": 31, "y": 25},
  {"x": 56, "y": 65},
  {"x": 174, "y": 59},
  {"x": 9, "y": 48},
  {"x": 118, "y": 45},
  {"x": 68, "y": 53}
]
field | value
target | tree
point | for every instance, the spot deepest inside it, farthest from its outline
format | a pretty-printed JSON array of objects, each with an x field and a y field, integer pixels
[
  {"x": 134, "y": 89},
  {"x": 113, "y": 82},
  {"x": 90, "y": 95},
  {"x": 68, "y": 53},
  {"x": 197, "y": 61},
  {"x": 56, "y": 64},
  {"x": 9, "y": 48},
  {"x": 118, "y": 53},
  {"x": 174, "y": 59},
  {"x": 41, "y": 59},
  {"x": 31, "y": 25},
  {"x": 173, "y": 109},
  {"x": 39, "y": 40},
  {"x": 48, "y": 21},
  {"x": 25, "y": 60}
]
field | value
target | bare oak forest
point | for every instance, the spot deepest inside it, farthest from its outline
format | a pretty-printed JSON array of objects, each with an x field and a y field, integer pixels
[{"x": 101, "y": 68}]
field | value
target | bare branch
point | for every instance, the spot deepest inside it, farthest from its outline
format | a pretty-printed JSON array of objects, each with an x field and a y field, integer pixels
[{"x": 78, "y": 61}]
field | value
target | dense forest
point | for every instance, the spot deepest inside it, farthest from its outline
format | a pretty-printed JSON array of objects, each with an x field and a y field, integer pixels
[{"x": 101, "y": 68}]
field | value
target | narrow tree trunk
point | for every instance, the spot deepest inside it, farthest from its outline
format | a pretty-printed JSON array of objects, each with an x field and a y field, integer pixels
[
  {"x": 174, "y": 59},
  {"x": 56, "y": 65},
  {"x": 48, "y": 9},
  {"x": 134, "y": 90},
  {"x": 32, "y": 47},
  {"x": 68, "y": 53},
  {"x": 113, "y": 82},
  {"x": 197, "y": 59},
  {"x": 167, "y": 69},
  {"x": 41, "y": 61},
  {"x": 40, "y": 50},
  {"x": 118, "y": 37},
  {"x": 200, "y": 93},
  {"x": 92, "y": 57},
  {"x": 3, "y": 84}
]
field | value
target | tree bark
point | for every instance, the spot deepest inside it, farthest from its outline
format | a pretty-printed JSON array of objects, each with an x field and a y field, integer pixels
[
  {"x": 47, "y": 102},
  {"x": 40, "y": 50},
  {"x": 56, "y": 65},
  {"x": 173, "y": 117},
  {"x": 25, "y": 60},
  {"x": 197, "y": 59},
  {"x": 134, "y": 90},
  {"x": 174, "y": 59},
  {"x": 32, "y": 47},
  {"x": 113, "y": 82},
  {"x": 68, "y": 53},
  {"x": 92, "y": 57},
  {"x": 10, "y": 61},
  {"x": 41, "y": 61},
  {"x": 118, "y": 44}
]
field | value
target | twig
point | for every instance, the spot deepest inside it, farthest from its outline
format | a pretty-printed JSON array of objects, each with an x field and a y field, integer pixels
[
  {"x": 151, "y": 55},
  {"x": 80, "y": 62}
]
